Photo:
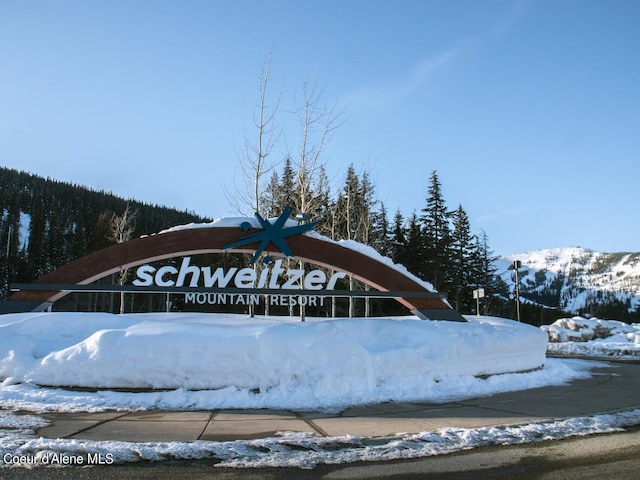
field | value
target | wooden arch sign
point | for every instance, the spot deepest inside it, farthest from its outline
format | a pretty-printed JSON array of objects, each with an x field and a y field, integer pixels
[{"x": 193, "y": 241}]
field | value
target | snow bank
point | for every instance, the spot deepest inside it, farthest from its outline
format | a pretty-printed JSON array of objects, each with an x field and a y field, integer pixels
[
  {"x": 593, "y": 337},
  {"x": 264, "y": 361},
  {"x": 301, "y": 450}
]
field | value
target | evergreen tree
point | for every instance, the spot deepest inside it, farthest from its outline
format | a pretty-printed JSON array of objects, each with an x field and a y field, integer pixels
[
  {"x": 399, "y": 238},
  {"x": 55, "y": 245},
  {"x": 323, "y": 203},
  {"x": 366, "y": 201},
  {"x": 287, "y": 183},
  {"x": 462, "y": 253},
  {"x": 36, "y": 248},
  {"x": 381, "y": 235},
  {"x": 485, "y": 276},
  {"x": 344, "y": 209},
  {"x": 352, "y": 217},
  {"x": 436, "y": 237},
  {"x": 280, "y": 191},
  {"x": 412, "y": 255},
  {"x": 10, "y": 241},
  {"x": 270, "y": 200}
]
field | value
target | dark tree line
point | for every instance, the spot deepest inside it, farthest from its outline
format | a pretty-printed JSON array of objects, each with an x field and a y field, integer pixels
[
  {"x": 438, "y": 245},
  {"x": 45, "y": 223}
]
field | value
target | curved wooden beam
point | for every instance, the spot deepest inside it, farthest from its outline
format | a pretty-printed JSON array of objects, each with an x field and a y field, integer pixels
[{"x": 195, "y": 241}]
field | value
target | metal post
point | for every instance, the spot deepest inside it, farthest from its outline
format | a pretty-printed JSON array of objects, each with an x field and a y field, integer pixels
[
  {"x": 302, "y": 218},
  {"x": 516, "y": 265}
]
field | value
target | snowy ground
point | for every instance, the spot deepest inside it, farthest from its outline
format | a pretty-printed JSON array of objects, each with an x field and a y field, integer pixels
[
  {"x": 593, "y": 337},
  {"x": 199, "y": 361}
]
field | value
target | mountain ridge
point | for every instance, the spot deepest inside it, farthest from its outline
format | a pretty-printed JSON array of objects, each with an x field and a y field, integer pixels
[{"x": 576, "y": 280}]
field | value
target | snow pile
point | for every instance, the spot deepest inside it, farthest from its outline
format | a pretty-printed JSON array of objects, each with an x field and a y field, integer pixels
[
  {"x": 593, "y": 337},
  {"x": 263, "y": 361}
]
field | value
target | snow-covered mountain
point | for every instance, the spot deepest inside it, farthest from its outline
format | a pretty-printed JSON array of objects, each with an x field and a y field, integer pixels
[{"x": 576, "y": 279}]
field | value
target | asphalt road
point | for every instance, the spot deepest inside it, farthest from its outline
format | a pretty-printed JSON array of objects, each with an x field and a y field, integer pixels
[{"x": 615, "y": 456}]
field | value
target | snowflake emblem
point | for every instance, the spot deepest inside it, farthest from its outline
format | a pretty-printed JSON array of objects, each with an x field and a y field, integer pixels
[{"x": 274, "y": 233}]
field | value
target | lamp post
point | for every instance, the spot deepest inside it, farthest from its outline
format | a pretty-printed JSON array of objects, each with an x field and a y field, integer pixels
[{"x": 515, "y": 266}]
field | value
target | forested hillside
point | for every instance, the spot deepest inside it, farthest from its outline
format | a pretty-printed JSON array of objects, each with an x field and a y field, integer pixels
[{"x": 45, "y": 223}]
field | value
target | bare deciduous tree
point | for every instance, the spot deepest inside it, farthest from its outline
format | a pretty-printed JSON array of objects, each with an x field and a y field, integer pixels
[
  {"x": 254, "y": 161},
  {"x": 316, "y": 123},
  {"x": 121, "y": 230}
]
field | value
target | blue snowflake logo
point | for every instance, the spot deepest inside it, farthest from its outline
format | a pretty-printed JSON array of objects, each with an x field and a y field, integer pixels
[{"x": 274, "y": 233}]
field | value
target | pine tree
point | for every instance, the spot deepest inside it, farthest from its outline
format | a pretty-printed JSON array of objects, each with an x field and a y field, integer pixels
[
  {"x": 343, "y": 218},
  {"x": 279, "y": 191},
  {"x": 412, "y": 255},
  {"x": 398, "y": 239},
  {"x": 323, "y": 202},
  {"x": 436, "y": 237},
  {"x": 485, "y": 276},
  {"x": 37, "y": 239},
  {"x": 462, "y": 252},
  {"x": 381, "y": 235},
  {"x": 270, "y": 201}
]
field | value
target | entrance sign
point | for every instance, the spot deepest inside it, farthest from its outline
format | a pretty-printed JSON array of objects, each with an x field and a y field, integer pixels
[
  {"x": 274, "y": 278},
  {"x": 269, "y": 277},
  {"x": 273, "y": 239}
]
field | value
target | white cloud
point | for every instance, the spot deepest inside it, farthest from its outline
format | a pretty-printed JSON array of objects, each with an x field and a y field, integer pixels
[
  {"x": 390, "y": 91},
  {"x": 514, "y": 212}
]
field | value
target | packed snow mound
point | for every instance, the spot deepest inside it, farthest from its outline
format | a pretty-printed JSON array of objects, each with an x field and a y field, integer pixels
[
  {"x": 593, "y": 337},
  {"x": 313, "y": 364}
]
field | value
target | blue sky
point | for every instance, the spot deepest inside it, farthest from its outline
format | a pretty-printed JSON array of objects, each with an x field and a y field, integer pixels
[{"x": 529, "y": 111}]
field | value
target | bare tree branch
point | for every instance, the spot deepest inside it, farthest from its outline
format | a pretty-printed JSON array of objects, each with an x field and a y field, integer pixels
[
  {"x": 121, "y": 229},
  {"x": 253, "y": 162},
  {"x": 316, "y": 123}
]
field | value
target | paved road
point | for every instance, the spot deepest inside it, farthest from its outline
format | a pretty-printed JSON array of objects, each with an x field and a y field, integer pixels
[{"x": 615, "y": 456}]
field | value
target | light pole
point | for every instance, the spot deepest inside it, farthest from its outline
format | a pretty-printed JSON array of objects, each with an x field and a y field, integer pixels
[{"x": 515, "y": 266}]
